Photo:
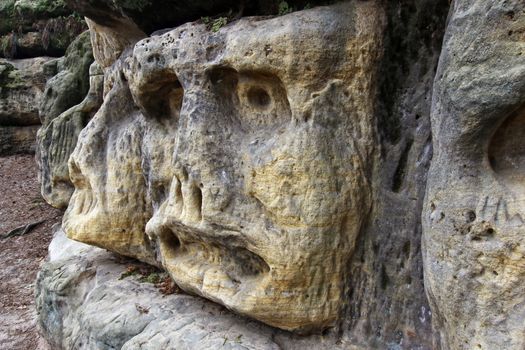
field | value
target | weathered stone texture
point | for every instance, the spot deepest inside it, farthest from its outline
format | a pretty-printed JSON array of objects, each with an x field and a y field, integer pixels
[
  {"x": 71, "y": 83},
  {"x": 473, "y": 216},
  {"x": 251, "y": 172},
  {"x": 83, "y": 303},
  {"x": 22, "y": 83},
  {"x": 17, "y": 139},
  {"x": 21, "y": 89},
  {"x": 33, "y": 28},
  {"x": 64, "y": 114},
  {"x": 278, "y": 166},
  {"x": 58, "y": 139}
]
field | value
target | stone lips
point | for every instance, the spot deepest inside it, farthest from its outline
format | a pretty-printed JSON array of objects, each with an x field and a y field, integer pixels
[{"x": 245, "y": 156}]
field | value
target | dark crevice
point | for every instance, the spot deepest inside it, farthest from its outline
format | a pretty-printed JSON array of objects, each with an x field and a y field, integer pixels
[{"x": 399, "y": 176}]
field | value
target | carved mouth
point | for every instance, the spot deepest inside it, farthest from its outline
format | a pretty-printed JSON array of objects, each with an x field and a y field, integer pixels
[{"x": 191, "y": 260}]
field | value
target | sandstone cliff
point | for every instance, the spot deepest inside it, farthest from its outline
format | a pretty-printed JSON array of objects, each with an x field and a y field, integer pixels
[{"x": 277, "y": 165}]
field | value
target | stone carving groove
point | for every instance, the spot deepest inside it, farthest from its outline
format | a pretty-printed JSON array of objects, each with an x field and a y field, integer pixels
[
  {"x": 244, "y": 176},
  {"x": 473, "y": 242}
]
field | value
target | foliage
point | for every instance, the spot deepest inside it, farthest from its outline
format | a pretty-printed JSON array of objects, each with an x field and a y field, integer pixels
[
  {"x": 219, "y": 23},
  {"x": 284, "y": 8},
  {"x": 148, "y": 274},
  {"x": 8, "y": 45},
  {"x": 60, "y": 32},
  {"x": 214, "y": 24},
  {"x": 153, "y": 278},
  {"x": 29, "y": 10},
  {"x": 130, "y": 271}
]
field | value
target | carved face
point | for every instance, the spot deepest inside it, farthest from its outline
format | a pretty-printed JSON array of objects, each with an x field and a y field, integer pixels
[
  {"x": 473, "y": 221},
  {"x": 249, "y": 150}
]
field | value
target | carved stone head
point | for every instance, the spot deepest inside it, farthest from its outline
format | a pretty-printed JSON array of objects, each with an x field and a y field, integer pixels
[
  {"x": 247, "y": 152},
  {"x": 473, "y": 221}
]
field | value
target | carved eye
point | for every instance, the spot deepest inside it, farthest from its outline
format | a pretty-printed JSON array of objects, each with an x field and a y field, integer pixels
[
  {"x": 256, "y": 100},
  {"x": 263, "y": 102},
  {"x": 259, "y": 98}
]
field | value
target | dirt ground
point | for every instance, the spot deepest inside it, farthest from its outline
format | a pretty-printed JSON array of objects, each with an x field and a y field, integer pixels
[{"x": 20, "y": 257}]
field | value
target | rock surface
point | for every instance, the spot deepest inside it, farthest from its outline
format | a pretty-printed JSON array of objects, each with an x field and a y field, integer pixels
[
  {"x": 227, "y": 160},
  {"x": 21, "y": 89},
  {"x": 382, "y": 303},
  {"x": 79, "y": 282},
  {"x": 22, "y": 84},
  {"x": 64, "y": 114},
  {"x": 32, "y": 28},
  {"x": 474, "y": 245},
  {"x": 279, "y": 166},
  {"x": 17, "y": 139}
]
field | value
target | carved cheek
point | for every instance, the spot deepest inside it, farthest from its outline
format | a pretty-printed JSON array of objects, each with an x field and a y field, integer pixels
[{"x": 299, "y": 192}]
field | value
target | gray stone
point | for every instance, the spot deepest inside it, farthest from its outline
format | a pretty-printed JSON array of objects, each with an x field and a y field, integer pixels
[
  {"x": 473, "y": 219},
  {"x": 69, "y": 87},
  {"x": 58, "y": 139},
  {"x": 21, "y": 89},
  {"x": 84, "y": 303},
  {"x": 64, "y": 114},
  {"x": 21, "y": 86},
  {"x": 248, "y": 174},
  {"x": 17, "y": 139}
]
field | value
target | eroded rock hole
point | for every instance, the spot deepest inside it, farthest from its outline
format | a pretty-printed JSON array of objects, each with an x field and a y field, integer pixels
[
  {"x": 241, "y": 263},
  {"x": 400, "y": 174},
  {"x": 259, "y": 98},
  {"x": 164, "y": 103},
  {"x": 170, "y": 241},
  {"x": 507, "y": 150},
  {"x": 470, "y": 216}
]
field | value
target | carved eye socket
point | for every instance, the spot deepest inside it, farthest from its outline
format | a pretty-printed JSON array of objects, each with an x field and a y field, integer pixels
[
  {"x": 259, "y": 98},
  {"x": 263, "y": 102}
]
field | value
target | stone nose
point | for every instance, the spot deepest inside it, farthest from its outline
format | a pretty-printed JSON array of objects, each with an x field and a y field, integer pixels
[{"x": 203, "y": 159}]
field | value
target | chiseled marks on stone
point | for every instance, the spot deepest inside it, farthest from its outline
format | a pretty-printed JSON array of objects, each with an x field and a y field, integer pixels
[
  {"x": 71, "y": 98},
  {"x": 58, "y": 140},
  {"x": 249, "y": 152},
  {"x": 473, "y": 244},
  {"x": 110, "y": 205},
  {"x": 83, "y": 304}
]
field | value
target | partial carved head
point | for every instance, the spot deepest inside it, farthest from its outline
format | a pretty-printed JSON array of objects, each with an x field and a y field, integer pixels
[{"x": 239, "y": 159}]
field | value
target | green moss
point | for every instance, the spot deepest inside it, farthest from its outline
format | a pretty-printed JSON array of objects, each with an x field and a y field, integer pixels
[
  {"x": 219, "y": 23},
  {"x": 31, "y": 9},
  {"x": 10, "y": 79},
  {"x": 152, "y": 278},
  {"x": 7, "y": 16},
  {"x": 284, "y": 8},
  {"x": 215, "y": 24}
]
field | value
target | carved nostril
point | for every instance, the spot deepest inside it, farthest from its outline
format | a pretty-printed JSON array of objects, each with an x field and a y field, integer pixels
[{"x": 170, "y": 241}]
